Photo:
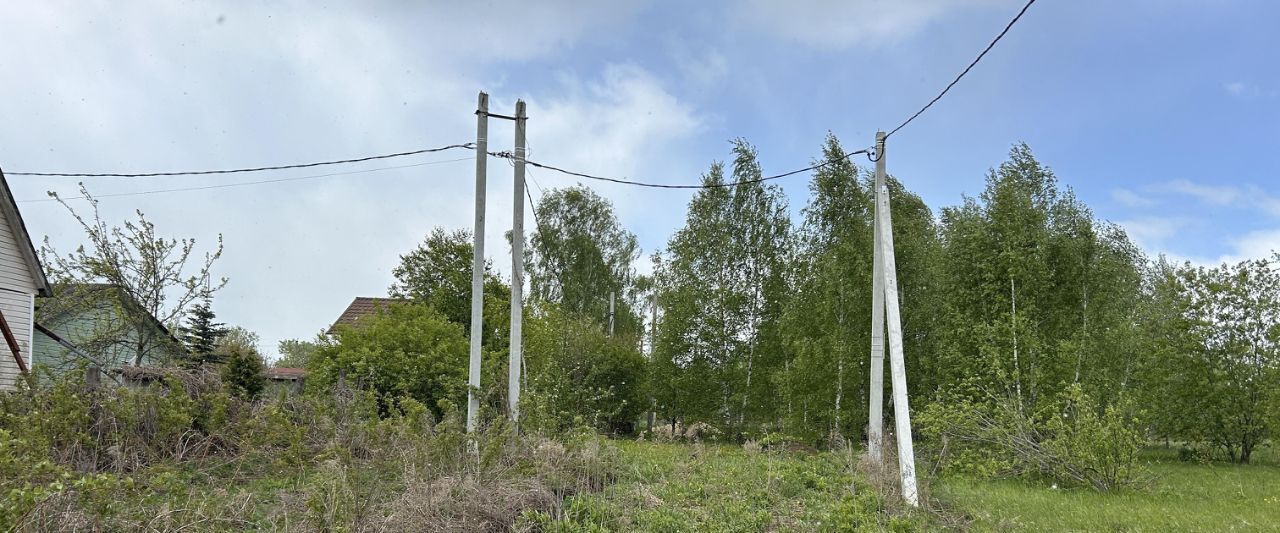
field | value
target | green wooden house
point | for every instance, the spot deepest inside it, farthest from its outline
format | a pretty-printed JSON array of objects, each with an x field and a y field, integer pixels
[{"x": 104, "y": 322}]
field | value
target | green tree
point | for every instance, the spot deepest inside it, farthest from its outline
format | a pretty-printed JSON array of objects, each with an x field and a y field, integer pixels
[
  {"x": 155, "y": 274},
  {"x": 201, "y": 334},
  {"x": 1214, "y": 361},
  {"x": 1037, "y": 294},
  {"x": 580, "y": 254},
  {"x": 826, "y": 322},
  {"x": 438, "y": 274},
  {"x": 721, "y": 291},
  {"x": 243, "y": 374},
  {"x": 692, "y": 335},
  {"x": 295, "y": 353},
  {"x": 576, "y": 371},
  {"x": 410, "y": 350}
]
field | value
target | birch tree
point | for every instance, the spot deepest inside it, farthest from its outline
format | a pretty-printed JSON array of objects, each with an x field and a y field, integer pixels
[{"x": 157, "y": 277}]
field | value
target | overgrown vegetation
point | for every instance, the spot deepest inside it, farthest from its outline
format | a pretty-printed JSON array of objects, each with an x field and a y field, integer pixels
[
  {"x": 708, "y": 487},
  {"x": 1043, "y": 349},
  {"x": 184, "y": 454},
  {"x": 1073, "y": 444}
]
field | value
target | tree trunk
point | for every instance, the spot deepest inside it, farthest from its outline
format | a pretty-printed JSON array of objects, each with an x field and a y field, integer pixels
[{"x": 1017, "y": 370}]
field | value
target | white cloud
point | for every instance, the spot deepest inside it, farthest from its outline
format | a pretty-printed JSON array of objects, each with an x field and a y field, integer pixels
[
  {"x": 1241, "y": 89},
  {"x": 1250, "y": 196},
  {"x": 842, "y": 24},
  {"x": 610, "y": 125},
  {"x": 1253, "y": 245},
  {"x": 165, "y": 86},
  {"x": 1264, "y": 200},
  {"x": 624, "y": 124},
  {"x": 702, "y": 68},
  {"x": 1210, "y": 194},
  {"x": 1150, "y": 233},
  {"x": 1129, "y": 198}
]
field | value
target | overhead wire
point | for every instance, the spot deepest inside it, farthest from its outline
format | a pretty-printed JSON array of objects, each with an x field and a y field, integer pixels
[
  {"x": 242, "y": 170},
  {"x": 965, "y": 71},
  {"x": 245, "y": 183},
  {"x": 508, "y": 155}
]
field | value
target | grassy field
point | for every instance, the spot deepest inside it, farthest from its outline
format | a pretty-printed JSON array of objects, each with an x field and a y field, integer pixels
[
  {"x": 679, "y": 487},
  {"x": 683, "y": 487},
  {"x": 1182, "y": 497}
]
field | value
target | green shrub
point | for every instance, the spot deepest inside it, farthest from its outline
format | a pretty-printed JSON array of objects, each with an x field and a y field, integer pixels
[
  {"x": 1073, "y": 443},
  {"x": 181, "y": 453},
  {"x": 243, "y": 373},
  {"x": 1094, "y": 446},
  {"x": 577, "y": 375},
  {"x": 409, "y": 350}
]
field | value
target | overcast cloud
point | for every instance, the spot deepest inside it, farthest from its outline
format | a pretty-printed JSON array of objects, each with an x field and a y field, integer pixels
[{"x": 650, "y": 90}]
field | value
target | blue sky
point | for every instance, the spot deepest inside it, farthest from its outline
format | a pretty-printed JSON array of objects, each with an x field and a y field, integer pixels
[{"x": 1161, "y": 115}]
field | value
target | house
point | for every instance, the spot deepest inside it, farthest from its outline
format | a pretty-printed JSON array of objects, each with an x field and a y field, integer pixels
[
  {"x": 361, "y": 307},
  {"x": 105, "y": 322},
  {"x": 21, "y": 280}
]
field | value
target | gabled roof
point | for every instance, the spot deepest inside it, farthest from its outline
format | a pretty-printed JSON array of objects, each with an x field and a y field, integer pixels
[
  {"x": 363, "y": 306},
  {"x": 9, "y": 209}
]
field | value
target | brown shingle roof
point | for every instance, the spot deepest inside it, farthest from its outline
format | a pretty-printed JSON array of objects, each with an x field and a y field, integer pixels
[
  {"x": 360, "y": 307},
  {"x": 286, "y": 374}
]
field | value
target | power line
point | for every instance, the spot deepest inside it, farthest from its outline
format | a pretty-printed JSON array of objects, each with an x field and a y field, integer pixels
[
  {"x": 508, "y": 155},
  {"x": 965, "y": 71},
  {"x": 241, "y": 170},
  {"x": 904, "y": 123},
  {"x": 244, "y": 183}
]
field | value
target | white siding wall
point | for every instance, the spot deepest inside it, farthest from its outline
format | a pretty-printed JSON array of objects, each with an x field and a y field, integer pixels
[{"x": 17, "y": 298}]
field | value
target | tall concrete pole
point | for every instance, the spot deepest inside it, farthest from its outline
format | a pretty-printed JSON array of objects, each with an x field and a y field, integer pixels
[
  {"x": 477, "y": 263},
  {"x": 875, "y": 422},
  {"x": 897, "y": 363},
  {"x": 653, "y": 347},
  {"x": 515, "y": 364},
  {"x": 611, "y": 294}
]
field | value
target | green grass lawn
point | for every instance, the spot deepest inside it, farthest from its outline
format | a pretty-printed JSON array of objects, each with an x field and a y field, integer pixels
[
  {"x": 680, "y": 487},
  {"x": 1183, "y": 497}
]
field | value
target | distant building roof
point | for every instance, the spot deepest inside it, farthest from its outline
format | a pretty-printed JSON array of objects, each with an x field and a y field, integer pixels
[
  {"x": 361, "y": 307},
  {"x": 286, "y": 374}
]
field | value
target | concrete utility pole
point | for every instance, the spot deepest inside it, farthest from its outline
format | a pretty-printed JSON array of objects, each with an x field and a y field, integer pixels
[
  {"x": 653, "y": 348},
  {"x": 897, "y": 364},
  {"x": 875, "y": 422},
  {"x": 515, "y": 364},
  {"x": 477, "y": 263},
  {"x": 611, "y": 294}
]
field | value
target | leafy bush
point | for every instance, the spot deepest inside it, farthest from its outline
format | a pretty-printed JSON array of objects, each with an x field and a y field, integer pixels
[
  {"x": 243, "y": 371},
  {"x": 409, "y": 350},
  {"x": 1077, "y": 443},
  {"x": 578, "y": 375}
]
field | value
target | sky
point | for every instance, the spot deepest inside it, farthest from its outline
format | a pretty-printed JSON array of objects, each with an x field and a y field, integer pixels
[{"x": 1162, "y": 115}]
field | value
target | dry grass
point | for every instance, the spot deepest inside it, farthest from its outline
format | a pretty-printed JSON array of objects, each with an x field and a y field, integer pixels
[
  {"x": 454, "y": 503},
  {"x": 158, "y": 459},
  {"x": 884, "y": 479}
]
